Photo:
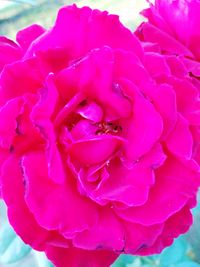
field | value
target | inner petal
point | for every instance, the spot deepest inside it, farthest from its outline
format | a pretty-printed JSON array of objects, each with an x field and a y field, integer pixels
[
  {"x": 91, "y": 111},
  {"x": 95, "y": 150}
]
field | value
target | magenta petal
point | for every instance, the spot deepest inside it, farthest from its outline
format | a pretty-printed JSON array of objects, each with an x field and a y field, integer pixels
[
  {"x": 151, "y": 33},
  {"x": 180, "y": 140},
  {"x": 91, "y": 112},
  {"x": 91, "y": 29},
  {"x": 127, "y": 186},
  {"x": 84, "y": 129},
  {"x": 144, "y": 128},
  {"x": 17, "y": 209},
  {"x": 108, "y": 233},
  {"x": 46, "y": 105},
  {"x": 172, "y": 177},
  {"x": 74, "y": 257},
  {"x": 9, "y": 52},
  {"x": 41, "y": 117},
  {"x": 164, "y": 99},
  {"x": 139, "y": 236},
  {"x": 63, "y": 217},
  {"x": 29, "y": 77},
  {"x": 8, "y": 123},
  {"x": 156, "y": 64},
  {"x": 26, "y": 36},
  {"x": 183, "y": 18},
  {"x": 177, "y": 224},
  {"x": 81, "y": 77},
  {"x": 96, "y": 149}
]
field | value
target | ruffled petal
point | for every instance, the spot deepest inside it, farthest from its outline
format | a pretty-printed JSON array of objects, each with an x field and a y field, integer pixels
[
  {"x": 150, "y": 33},
  {"x": 143, "y": 129},
  {"x": 91, "y": 29},
  {"x": 26, "y": 36},
  {"x": 95, "y": 150},
  {"x": 179, "y": 184},
  {"x": 17, "y": 210},
  {"x": 108, "y": 233},
  {"x": 180, "y": 140},
  {"x": 177, "y": 224},
  {"x": 64, "y": 216},
  {"x": 74, "y": 257},
  {"x": 9, "y": 52}
]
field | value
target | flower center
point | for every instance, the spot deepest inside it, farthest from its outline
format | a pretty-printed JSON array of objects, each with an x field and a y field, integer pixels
[{"x": 108, "y": 128}]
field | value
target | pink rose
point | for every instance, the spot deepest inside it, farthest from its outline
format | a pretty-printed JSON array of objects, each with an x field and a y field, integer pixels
[
  {"x": 174, "y": 24},
  {"x": 173, "y": 31},
  {"x": 97, "y": 154}
]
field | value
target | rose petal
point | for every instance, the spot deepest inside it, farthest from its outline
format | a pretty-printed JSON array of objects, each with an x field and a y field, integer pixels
[
  {"x": 29, "y": 77},
  {"x": 27, "y": 35},
  {"x": 183, "y": 18},
  {"x": 179, "y": 183},
  {"x": 82, "y": 76},
  {"x": 74, "y": 257},
  {"x": 177, "y": 224},
  {"x": 145, "y": 127},
  {"x": 8, "y": 123},
  {"x": 151, "y": 33},
  {"x": 108, "y": 233},
  {"x": 156, "y": 64},
  {"x": 95, "y": 150},
  {"x": 139, "y": 237},
  {"x": 9, "y": 52},
  {"x": 17, "y": 209},
  {"x": 130, "y": 187},
  {"x": 91, "y": 111},
  {"x": 180, "y": 141},
  {"x": 64, "y": 217},
  {"x": 91, "y": 29}
]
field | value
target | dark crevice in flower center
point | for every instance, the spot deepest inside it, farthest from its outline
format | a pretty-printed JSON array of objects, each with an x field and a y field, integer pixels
[
  {"x": 73, "y": 120},
  {"x": 108, "y": 128}
]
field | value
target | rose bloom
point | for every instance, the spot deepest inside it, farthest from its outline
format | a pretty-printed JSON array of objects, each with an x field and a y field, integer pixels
[
  {"x": 173, "y": 28},
  {"x": 96, "y": 149}
]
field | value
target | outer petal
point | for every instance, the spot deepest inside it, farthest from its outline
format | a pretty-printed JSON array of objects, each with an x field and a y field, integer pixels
[
  {"x": 177, "y": 224},
  {"x": 64, "y": 198},
  {"x": 91, "y": 29},
  {"x": 183, "y": 18},
  {"x": 18, "y": 212},
  {"x": 28, "y": 74},
  {"x": 26, "y": 36},
  {"x": 8, "y": 123},
  {"x": 108, "y": 233},
  {"x": 9, "y": 52},
  {"x": 139, "y": 237},
  {"x": 178, "y": 183},
  {"x": 150, "y": 33},
  {"x": 74, "y": 257}
]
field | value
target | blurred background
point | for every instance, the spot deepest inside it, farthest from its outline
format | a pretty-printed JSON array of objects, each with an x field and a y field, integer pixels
[{"x": 15, "y": 15}]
